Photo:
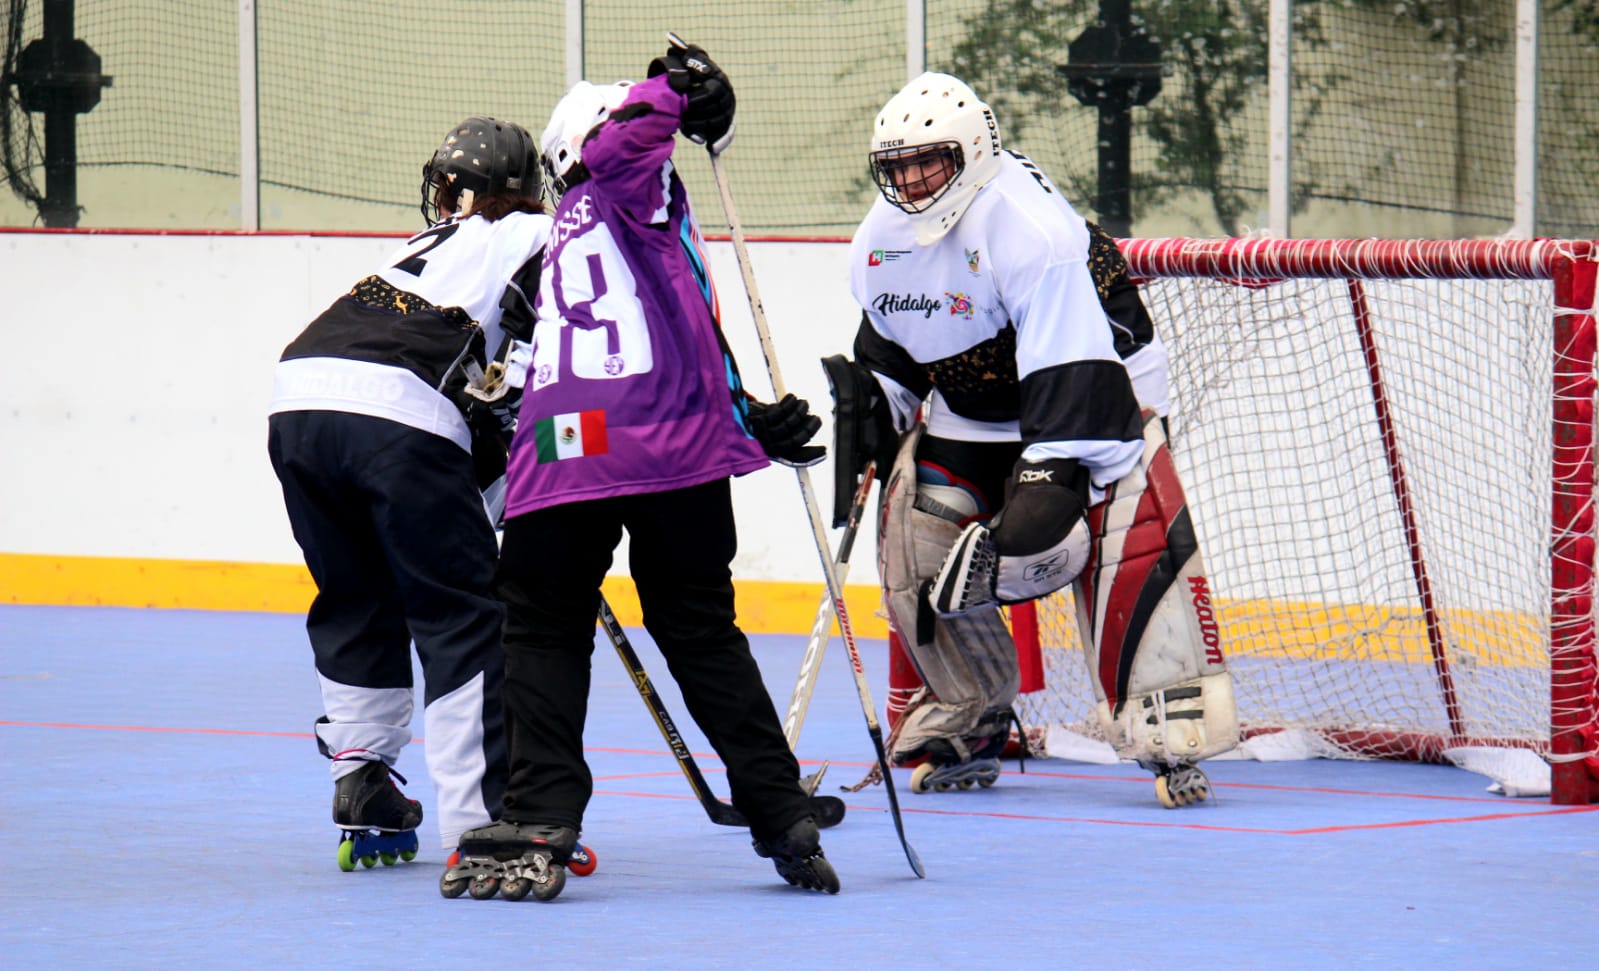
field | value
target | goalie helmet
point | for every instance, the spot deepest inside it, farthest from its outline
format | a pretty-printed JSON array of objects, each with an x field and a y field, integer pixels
[
  {"x": 483, "y": 157},
  {"x": 583, "y": 106},
  {"x": 933, "y": 146}
]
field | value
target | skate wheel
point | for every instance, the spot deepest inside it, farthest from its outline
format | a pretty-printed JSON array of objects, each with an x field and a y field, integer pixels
[
  {"x": 826, "y": 876},
  {"x": 987, "y": 783},
  {"x": 450, "y": 889},
  {"x": 483, "y": 888},
  {"x": 919, "y": 776},
  {"x": 968, "y": 783},
  {"x": 369, "y": 861},
  {"x": 408, "y": 855},
  {"x": 516, "y": 889},
  {"x": 347, "y": 855},
  {"x": 583, "y": 861},
  {"x": 1166, "y": 796},
  {"x": 388, "y": 859},
  {"x": 552, "y": 887}
]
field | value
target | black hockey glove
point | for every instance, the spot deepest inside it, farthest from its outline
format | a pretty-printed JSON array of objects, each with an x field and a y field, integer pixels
[
  {"x": 708, "y": 116},
  {"x": 784, "y": 428},
  {"x": 1044, "y": 501}
]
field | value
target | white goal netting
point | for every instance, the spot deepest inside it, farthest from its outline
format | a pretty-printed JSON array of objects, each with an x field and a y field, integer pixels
[{"x": 1387, "y": 453}]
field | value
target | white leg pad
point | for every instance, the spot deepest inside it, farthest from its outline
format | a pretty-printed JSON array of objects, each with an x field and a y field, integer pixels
[{"x": 968, "y": 662}]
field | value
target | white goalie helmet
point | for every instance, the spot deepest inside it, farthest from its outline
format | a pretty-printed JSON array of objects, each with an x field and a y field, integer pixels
[
  {"x": 933, "y": 146},
  {"x": 582, "y": 107}
]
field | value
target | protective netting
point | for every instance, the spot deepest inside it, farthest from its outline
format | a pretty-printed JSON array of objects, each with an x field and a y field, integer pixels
[
  {"x": 1390, "y": 592},
  {"x": 1403, "y": 109}
]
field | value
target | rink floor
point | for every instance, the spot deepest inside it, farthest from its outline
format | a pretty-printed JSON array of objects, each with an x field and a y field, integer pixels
[{"x": 163, "y": 806}]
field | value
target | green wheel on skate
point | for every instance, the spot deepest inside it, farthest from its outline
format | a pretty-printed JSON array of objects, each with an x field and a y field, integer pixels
[
  {"x": 389, "y": 859},
  {"x": 408, "y": 855},
  {"x": 369, "y": 861},
  {"x": 347, "y": 855}
]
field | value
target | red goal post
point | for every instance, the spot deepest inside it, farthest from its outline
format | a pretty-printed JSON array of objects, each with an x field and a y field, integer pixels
[{"x": 1388, "y": 450}]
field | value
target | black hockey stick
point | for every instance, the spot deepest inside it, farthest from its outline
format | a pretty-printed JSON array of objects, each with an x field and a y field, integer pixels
[
  {"x": 828, "y": 810},
  {"x": 818, "y": 532}
]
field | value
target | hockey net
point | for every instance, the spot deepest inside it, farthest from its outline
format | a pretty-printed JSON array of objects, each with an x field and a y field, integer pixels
[{"x": 1388, "y": 453}]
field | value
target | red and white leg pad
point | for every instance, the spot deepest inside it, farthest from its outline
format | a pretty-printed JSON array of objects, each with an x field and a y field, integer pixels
[{"x": 1144, "y": 610}]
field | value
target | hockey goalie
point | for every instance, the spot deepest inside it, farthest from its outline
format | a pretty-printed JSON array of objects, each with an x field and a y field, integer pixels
[{"x": 1004, "y": 342}]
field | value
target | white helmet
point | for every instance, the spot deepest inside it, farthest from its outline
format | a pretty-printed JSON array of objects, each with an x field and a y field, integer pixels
[
  {"x": 934, "y": 145},
  {"x": 579, "y": 110}
]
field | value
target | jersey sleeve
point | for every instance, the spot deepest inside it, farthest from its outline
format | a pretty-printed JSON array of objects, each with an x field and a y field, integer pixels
[
  {"x": 1077, "y": 401},
  {"x": 904, "y": 382},
  {"x": 628, "y": 155}
]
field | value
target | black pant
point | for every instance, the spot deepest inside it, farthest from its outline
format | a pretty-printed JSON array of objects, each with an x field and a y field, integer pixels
[
  {"x": 681, "y": 543},
  {"x": 396, "y": 538}
]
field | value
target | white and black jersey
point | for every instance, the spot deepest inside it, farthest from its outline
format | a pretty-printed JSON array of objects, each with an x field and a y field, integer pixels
[
  {"x": 397, "y": 346},
  {"x": 1020, "y": 324}
]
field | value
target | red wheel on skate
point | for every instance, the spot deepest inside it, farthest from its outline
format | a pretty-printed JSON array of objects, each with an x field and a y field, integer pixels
[{"x": 582, "y": 862}]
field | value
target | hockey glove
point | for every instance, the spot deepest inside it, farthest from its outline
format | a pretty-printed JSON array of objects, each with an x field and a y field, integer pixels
[
  {"x": 1037, "y": 544},
  {"x": 708, "y": 116},
  {"x": 784, "y": 428}
]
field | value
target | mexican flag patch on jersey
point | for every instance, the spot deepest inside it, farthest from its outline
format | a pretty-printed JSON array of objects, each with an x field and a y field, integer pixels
[{"x": 570, "y": 436}]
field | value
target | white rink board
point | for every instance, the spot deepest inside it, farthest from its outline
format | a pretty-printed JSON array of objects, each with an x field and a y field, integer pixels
[{"x": 138, "y": 368}]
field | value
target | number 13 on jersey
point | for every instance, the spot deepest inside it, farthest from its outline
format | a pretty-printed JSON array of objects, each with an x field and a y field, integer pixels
[{"x": 597, "y": 329}]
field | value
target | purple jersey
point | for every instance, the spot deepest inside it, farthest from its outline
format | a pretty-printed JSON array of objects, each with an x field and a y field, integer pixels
[{"x": 631, "y": 387}]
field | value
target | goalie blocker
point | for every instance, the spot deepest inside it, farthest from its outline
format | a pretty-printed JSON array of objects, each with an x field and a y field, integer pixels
[
  {"x": 1144, "y": 611},
  {"x": 863, "y": 430}
]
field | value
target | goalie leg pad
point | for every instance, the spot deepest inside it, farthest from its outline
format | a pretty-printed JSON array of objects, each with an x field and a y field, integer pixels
[
  {"x": 967, "y": 663},
  {"x": 1145, "y": 612}
]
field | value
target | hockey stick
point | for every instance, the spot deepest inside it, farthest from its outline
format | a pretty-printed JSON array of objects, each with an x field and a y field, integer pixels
[
  {"x": 720, "y": 812},
  {"x": 818, "y": 531},
  {"x": 822, "y": 629},
  {"x": 828, "y": 810}
]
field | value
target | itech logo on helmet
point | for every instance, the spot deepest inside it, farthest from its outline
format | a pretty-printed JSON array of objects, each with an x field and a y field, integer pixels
[
  {"x": 993, "y": 129},
  {"x": 890, "y": 143}
]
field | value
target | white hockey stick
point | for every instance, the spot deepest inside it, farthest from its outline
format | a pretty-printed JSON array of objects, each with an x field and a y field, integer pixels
[
  {"x": 822, "y": 629},
  {"x": 834, "y": 589}
]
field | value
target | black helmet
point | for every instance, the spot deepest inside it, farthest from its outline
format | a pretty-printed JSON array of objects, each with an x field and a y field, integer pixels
[{"x": 484, "y": 156}]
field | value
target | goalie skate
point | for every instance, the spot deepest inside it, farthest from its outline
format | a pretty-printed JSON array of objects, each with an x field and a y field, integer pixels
[
  {"x": 932, "y": 777},
  {"x": 1183, "y": 784}
]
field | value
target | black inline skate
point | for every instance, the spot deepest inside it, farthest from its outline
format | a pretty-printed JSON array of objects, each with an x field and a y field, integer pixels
[
  {"x": 1179, "y": 784},
  {"x": 797, "y": 855},
  {"x": 376, "y": 821},
  {"x": 514, "y": 860},
  {"x": 961, "y": 763}
]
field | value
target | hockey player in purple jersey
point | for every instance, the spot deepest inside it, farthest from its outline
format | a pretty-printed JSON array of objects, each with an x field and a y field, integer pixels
[
  {"x": 375, "y": 436},
  {"x": 633, "y": 417}
]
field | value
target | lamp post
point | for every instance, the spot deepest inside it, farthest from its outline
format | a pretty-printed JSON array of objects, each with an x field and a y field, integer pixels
[{"x": 1115, "y": 67}]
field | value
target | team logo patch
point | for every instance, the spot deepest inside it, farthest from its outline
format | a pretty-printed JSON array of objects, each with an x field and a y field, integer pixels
[
  {"x": 972, "y": 258},
  {"x": 960, "y": 305},
  {"x": 878, "y": 257}
]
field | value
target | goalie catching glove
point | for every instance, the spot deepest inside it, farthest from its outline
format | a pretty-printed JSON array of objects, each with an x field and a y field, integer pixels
[
  {"x": 783, "y": 428},
  {"x": 708, "y": 116},
  {"x": 1037, "y": 544}
]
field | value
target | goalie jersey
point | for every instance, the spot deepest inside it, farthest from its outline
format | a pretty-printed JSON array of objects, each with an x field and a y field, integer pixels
[{"x": 1020, "y": 323}]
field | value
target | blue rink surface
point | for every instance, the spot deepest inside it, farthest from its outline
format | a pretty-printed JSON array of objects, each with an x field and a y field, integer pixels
[{"x": 162, "y": 805}]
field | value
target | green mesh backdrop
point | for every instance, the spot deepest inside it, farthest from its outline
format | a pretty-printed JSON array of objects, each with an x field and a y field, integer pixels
[{"x": 1403, "y": 109}]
